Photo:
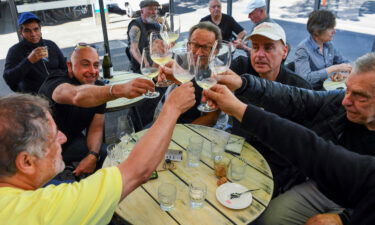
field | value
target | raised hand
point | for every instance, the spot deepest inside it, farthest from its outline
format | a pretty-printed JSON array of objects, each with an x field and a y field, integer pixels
[
  {"x": 181, "y": 98},
  {"x": 37, "y": 54},
  {"x": 134, "y": 88},
  {"x": 230, "y": 79}
]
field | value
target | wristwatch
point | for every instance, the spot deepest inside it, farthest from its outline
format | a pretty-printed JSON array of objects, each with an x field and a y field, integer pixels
[{"x": 94, "y": 154}]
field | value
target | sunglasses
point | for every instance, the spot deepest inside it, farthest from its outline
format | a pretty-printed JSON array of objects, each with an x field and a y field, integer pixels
[{"x": 84, "y": 45}]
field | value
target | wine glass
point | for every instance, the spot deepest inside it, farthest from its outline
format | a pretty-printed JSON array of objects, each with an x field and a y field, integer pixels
[
  {"x": 170, "y": 28},
  {"x": 205, "y": 79},
  {"x": 221, "y": 57},
  {"x": 160, "y": 53},
  {"x": 150, "y": 70},
  {"x": 183, "y": 65}
]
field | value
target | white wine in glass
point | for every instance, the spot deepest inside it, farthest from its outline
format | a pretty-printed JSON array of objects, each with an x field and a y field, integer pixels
[
  {"x": 204, "y": 78},
  {"x": 221, "y": 57},
  {"x": 149, "y": 70},
  {"x": 160, "y": 53},
  {"x": 171, "y": 26},
  {"x": 183, "y": 66}
]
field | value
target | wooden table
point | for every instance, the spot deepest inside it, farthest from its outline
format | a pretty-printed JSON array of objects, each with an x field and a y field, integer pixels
[
  {"x": 142, "y": 207},
  {"x": 122, "y": 103},
  {"x": 332, "y": 85}
]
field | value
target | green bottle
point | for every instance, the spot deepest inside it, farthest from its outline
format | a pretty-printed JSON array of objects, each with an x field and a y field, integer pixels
[{"x": 106, "y": 65}]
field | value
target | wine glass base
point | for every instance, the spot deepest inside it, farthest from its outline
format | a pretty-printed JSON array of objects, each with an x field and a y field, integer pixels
[
  {"x": 154, "y": 94},
  {"x": 205, "y": 108},
  {"x": 164, "y": 83}
]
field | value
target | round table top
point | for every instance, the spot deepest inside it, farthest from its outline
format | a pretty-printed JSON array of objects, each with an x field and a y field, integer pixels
[{"x": 258, "y": 176}]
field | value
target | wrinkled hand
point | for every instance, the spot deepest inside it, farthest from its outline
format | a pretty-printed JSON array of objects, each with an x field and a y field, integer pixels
[
  {"x": 339, "y": 76},
  {"x": 87, "y": 165},
  {"x": 166, "y": 73},
  {"x": 220, "y": 96},
  {"x": 134, "y": 88},
  {"x": 181, "y": 98},
  {"x": 230, "y": 79},
  {"x": 37, "y": 54}
]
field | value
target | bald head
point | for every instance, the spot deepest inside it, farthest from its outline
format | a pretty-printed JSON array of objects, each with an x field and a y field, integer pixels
[{"x": 84, "y": 64}]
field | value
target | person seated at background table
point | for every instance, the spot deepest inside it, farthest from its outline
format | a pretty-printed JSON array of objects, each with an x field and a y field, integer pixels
[
  {"x": 226, "y": 23},
  {"x": 346, "y": 118},
  {"x": 202, "y": 37},
  {"x": 29, "y": 62},
  {"x": 138, "y": 33},
  {"x": 30, "y": 149},
  {"x": 257, "y": 13},
  {"x": 346, "y": 177},
  {"x": 316, "y": 58},
  {"x": 265, "y": 61},
  {"x": 78, "y": 101}
]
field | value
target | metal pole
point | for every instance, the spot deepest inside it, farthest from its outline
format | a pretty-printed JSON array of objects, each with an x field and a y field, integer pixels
[
  {"x": 229, "y": 7},
  {"x": 268, "y": 7},
  {"x": 104, "y": 28},
  {"x": 14, "y": 14},
  {"x": 317, "y": 5}
]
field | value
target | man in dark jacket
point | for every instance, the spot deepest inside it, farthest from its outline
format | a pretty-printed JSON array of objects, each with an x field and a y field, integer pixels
[
  {"x": 268, "y": 52},
  {"x": 345, "y": 118},
  {"x": 346, "y": 177},
  {"x": 30, "y": 61}
]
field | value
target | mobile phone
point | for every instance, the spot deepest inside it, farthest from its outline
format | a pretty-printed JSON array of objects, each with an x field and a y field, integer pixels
[{"x": 154, "y": 175}]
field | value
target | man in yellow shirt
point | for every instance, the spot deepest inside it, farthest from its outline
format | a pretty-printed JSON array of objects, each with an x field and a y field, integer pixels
[{"x": 30, "y": 155}]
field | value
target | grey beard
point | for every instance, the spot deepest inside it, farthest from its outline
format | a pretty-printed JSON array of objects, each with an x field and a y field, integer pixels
[{"x": 151, "y": 20}]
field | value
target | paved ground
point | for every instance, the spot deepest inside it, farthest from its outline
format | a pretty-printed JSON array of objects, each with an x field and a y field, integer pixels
[{"x": 354, "y": 37}]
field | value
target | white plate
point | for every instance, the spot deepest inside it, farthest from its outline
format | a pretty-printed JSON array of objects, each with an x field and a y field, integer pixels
[{"x": 223, "y": 196}]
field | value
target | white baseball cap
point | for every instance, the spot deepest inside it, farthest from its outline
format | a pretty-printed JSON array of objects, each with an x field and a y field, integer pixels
[
  {"x": 272, "y": 31},
  {"x": 254, "y": 4}
]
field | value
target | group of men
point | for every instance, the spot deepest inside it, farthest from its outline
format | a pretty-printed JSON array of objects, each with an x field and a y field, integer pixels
[{"x": 319, "y": 168}]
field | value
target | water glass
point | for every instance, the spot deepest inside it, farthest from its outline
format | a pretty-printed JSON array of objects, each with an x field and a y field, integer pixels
[
  {"x": 194, "y": 151},
  {"x": 221, "y": 167},
  {"x": 125, "y": 129},
  {"x": 197, "y": 193},
  {"x": 237, "y": 169},
  {"x": 113, "y": 154},
  {"x": 167, "y": 196},
  {"x": 219, "y": 140}
]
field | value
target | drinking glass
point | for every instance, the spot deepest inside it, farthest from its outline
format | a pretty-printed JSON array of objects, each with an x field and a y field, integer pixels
[
  {"x": 183, "y": 66},
  {"x": 237, "y": 168},
  {"x": 221, "y": 166},
  {"x": 194, "y": 151},
  {"x": 125, "y": 129},
  {"x": 167, "y": 196},
  {"x": 160, "y": 53},
  {"x": 221, "y": 57},
  {"x": 150, "y": 70},
  {"x": 170, "y": 28},
  {"x": 219, "y": 140},
  {"x": 113, "y": 153},
  {"x": 205, "y": 79},
  {"x": 197, "y": 193}
]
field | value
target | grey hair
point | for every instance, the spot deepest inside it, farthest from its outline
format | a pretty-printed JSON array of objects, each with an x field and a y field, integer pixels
[
  {"x": 23, "y": 127},
  {"x": 364, "y": 64},
  {"x": 206, "y": 25}
]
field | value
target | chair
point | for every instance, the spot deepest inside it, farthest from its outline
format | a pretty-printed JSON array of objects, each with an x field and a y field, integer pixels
[{"x": 291, "y": 66}]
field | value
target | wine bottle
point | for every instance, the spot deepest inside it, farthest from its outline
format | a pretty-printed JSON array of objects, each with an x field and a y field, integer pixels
[{"x": 106, "y": 65}]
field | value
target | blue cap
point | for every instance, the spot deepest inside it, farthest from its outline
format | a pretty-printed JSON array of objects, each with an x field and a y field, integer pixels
[{"x": 23, "y": 17}]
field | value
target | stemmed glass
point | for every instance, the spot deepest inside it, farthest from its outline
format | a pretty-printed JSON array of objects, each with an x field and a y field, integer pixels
[
  {"x": 125, "y": 129},
  {"x": 150, "y": 70},
  {"x": 221, "y": 57},
  {"x": 205, "y": 79},
  {"x": 170, "y": 28},
  {"x": 160, "y": 53},
  {"x": 183, "y": 65}
]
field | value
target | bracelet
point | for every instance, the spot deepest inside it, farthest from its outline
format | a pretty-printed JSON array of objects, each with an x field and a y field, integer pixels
[{"x": 110, "y": 91}]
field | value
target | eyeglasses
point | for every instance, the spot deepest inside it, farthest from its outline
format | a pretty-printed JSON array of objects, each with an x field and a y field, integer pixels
[
  {"x": 84, "y": 45},
  {"x": 196, "y": 46}
]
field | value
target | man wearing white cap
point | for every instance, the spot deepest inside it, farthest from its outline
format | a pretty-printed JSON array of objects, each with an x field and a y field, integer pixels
[
  {"x": 265, "y": 60},
  {"x": 257, "y": 12}
]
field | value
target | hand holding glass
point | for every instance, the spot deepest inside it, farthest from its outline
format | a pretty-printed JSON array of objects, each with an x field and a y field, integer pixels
[
  {"x": 204, "y": 78},
  {"x": 160, "y": 53}
]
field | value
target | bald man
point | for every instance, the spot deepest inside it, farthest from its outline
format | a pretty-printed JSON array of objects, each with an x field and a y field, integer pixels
[{"x": 78, "y": 102}]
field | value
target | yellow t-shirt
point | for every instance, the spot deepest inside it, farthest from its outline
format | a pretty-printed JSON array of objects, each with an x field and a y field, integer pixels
[{"x": 90, "y": 201}]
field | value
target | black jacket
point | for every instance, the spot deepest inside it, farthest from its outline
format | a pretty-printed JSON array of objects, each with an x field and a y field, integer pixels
[
  {"x": 23, "y": 76},
  {"x": 345, "y": 177}
]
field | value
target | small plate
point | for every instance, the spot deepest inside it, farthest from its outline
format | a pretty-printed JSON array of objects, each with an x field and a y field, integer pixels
[{"x": 223, "y": 196}]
